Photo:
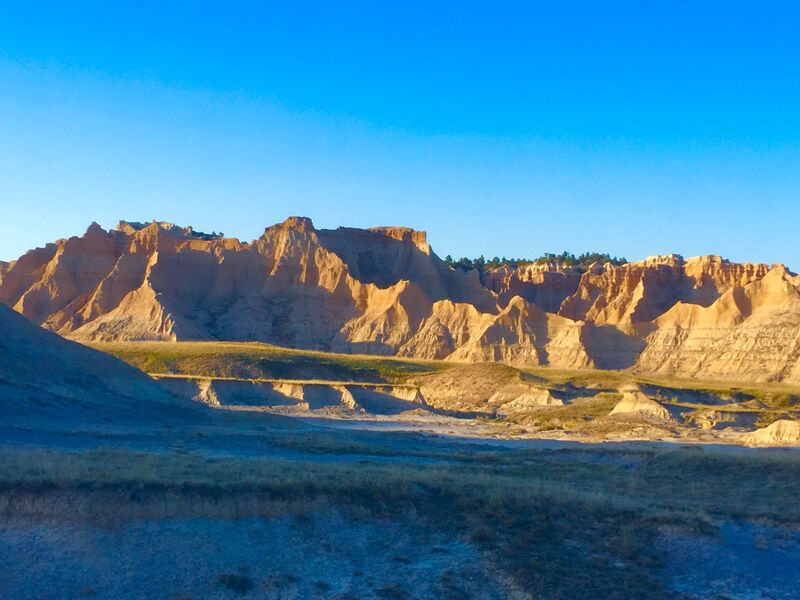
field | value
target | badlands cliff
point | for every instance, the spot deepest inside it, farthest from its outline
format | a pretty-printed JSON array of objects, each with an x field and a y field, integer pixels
[{"x": 384, "y": 291}]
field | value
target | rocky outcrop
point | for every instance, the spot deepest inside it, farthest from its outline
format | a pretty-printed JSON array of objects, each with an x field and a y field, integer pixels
[
  {"x": 523, "y": 334},
  {"x": 301, "y": 396},
  {"x": 783, "y": 432},
  {"x": 4, "y": 267},
  {"x": 547, "y": 284},
  {"x": 513, "y": 398},
  {"x": 712, "y": 418},
  {"x": 749, "y": 332},
  {"x": 384, "y": 291},
  {"x": 635, "y": 402}
]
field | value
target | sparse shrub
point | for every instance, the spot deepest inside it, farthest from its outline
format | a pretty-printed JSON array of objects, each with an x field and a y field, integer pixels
[
  {"x": 322, "y": 586},
  {"x": 239, "y": 584},
  {"x": 392, "y": 592}
]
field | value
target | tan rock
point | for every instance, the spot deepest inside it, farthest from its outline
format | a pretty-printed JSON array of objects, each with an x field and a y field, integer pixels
[
  {"x": 522, "y": 333},
  {"x": 517, "y": 398},
  {"x": 781, "y": 433},
  {"x": 637, "y": 403},
  {"x": 384, "y": 291},
  {"x": 711, "y": 418},
  {"x": 750, "y": 332}
]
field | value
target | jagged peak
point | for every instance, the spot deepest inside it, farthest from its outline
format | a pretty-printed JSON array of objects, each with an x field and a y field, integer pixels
[
  {"x": 298, "y": 223},
  {"x": 784, "y": 271},
  {"x": 132, "y": 227},
  {"x": 777, "y": 273},
  {"x": 94, "y": 228},
  {"x": 517, "y": 302},
  {"x": 405, "y": 234},
  {"x": 661, "y": 259},
  {"x": 712, "y": 260},
  {"x": 715, "y": 260}
]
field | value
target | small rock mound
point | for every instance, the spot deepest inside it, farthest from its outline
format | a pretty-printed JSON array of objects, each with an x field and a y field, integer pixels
[
  {"x": 781, "y": 433},
  {"x": 710, "y": 418},
  {"x": 515, "y": 398},
  {"x": 635, "y": 402}
]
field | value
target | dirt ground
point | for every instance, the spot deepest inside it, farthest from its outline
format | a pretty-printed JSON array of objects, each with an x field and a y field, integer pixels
[
  {"x": 324, "y": 556},
  {"x": 577, "y": 520}
]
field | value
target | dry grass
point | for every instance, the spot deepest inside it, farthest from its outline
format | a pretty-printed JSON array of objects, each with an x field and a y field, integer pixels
[
  {"x": 779, "y": 395},
  {"x": 253, "y": 360},
  {"x": 264, "y": 361},
  {"x": 562, "y": 524},
  {"x": 257, "y": 362},
  {"x": 571, "y": 416},
  {"x": 762, "y": 484}
]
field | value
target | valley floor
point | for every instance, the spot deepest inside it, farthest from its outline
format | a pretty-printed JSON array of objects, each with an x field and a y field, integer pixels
[
  {"x": 473, "y": 399},
  {"x": 263, "y": 506},
  {"x": 311, "y": 475}
]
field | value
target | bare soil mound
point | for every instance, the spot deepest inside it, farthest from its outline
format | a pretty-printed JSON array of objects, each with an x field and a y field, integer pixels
[
  {"x": 467, "y": 387},
  {"x": 45, "y": 377}
]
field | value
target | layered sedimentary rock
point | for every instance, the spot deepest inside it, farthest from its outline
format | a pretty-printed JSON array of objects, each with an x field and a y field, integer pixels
[
  {"x": 303, "y": 396},
  {"x": 750, "y": 331},
  {"x": 780, "y": 433},
  {"x": 384, "y": 291}
]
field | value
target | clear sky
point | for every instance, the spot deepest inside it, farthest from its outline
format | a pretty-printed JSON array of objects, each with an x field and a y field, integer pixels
[{"x": 501, "y": 128}]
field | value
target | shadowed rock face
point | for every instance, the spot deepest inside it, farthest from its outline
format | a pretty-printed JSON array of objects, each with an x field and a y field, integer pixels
[
  {"x": 384, "y": 291},
  {"x": 4, "y": 267}
]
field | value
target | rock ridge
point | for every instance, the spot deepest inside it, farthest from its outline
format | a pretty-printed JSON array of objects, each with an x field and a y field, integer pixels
[{"x": 384, "y": 291}]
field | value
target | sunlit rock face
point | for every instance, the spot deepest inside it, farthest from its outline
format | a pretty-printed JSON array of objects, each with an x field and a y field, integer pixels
[{"x": 384, "y": 291}]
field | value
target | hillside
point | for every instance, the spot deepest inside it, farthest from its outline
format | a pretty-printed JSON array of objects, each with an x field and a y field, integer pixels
[
  {"x": 383, "y": 291},
  {"x": 44, "y": 377},
  {"x": 506, "y": 400}
]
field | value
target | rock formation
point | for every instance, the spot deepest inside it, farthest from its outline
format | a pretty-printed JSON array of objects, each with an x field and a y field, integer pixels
[
  {"x": 4, "y": 267},
  {"x": 302, "y": 396},
  {"x": 712, "y": 418},
  {"x": 384, "y": 291},
  {"x": 635, "y": 402},
  {"x": 783, "y": 432}
]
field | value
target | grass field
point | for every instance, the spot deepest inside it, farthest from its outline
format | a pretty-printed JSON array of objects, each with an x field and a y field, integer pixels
[
  {"x": 775, "y": 394},
  {"x": 257, "y": 360},
  {"x": 558, "y": 520},
  {"x": 596, "y": 391},
  {"x": 263, "y": 361}
]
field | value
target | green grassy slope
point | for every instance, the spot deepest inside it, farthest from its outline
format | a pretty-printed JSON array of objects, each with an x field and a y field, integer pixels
[
  {"x": 251, "y": 360},
  {"x": 256, "y": 360}
]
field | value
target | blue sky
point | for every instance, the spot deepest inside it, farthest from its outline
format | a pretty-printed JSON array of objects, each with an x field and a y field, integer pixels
[{"x": 502, "y": 128}]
